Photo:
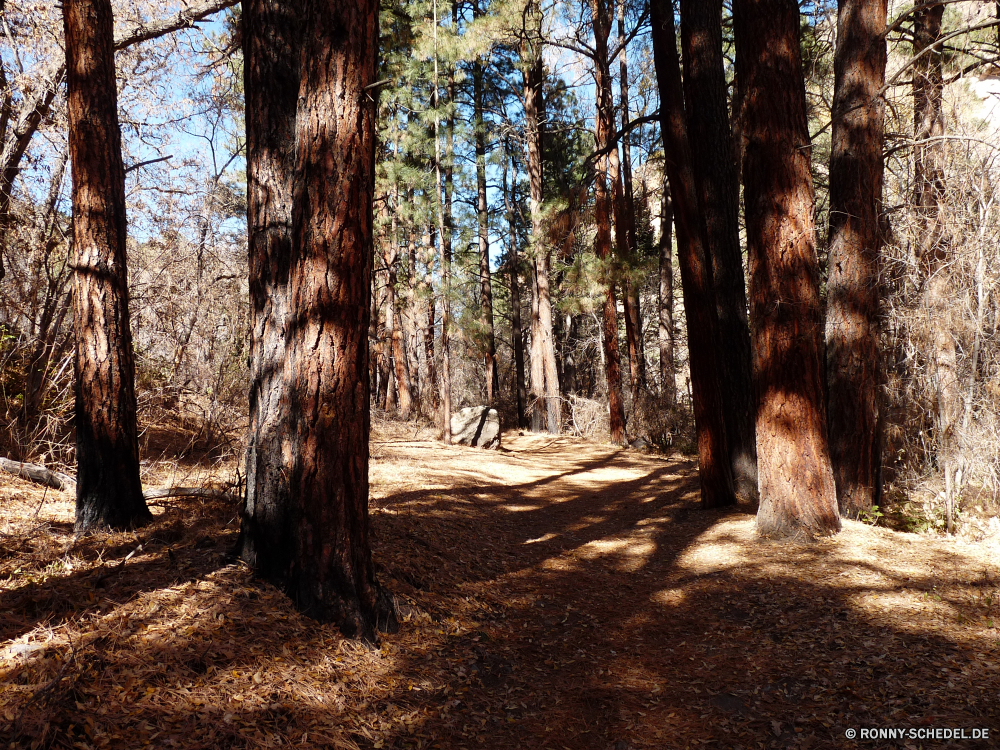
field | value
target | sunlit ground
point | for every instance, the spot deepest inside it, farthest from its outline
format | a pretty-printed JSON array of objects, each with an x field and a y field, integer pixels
[{"x": 558, "y": 594}]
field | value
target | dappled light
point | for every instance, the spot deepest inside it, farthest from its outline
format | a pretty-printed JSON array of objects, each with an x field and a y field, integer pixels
[{"x": 543, "y": 605}]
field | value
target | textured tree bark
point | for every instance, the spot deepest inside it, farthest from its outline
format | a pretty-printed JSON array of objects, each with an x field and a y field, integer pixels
[
  {"x": 310, "y": 158},
  {"x": 668, "y": 388},
  {"x": 630, "y": 289},
  {"x": 108, "y": 490},
  {"x": 853, "y": 369},
  {"x": 394, "y": 324},
  {"x": 544, "y": 381},
  {"x": 516, "y": 332},
  {"x": 934, "y": 251},
  {"x": 35, "y": 106},
  {"x": 604, "y": 130},
  {"x": 482, "y": 216},
  {"x": 696, "y": 275},
  {"x": 718, "y": 194},
  {"x": 797, "y": 492}
]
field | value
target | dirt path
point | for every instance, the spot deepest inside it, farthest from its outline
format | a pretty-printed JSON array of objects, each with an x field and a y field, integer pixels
[{"x": 559, "y": 594}]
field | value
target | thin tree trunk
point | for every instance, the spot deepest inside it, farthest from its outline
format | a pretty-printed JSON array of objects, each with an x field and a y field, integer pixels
[
  {"x": 696, "y": 275},
  {"x": 444, "y": 235},
  {"x": 797, "y": 492},
  {"x": 934, "y": 251},
  {"x": 108, "y": 491},
  {"x": 630, "y": 289},
  {"x": 310, "y": 156},
  {"x": 485, "y": 282},
  {"x": 394, "y": 327},
  {"x": 604, "y": 129},
  {"x": 718, "y": 194},
  {"x": 410, "y": 313},
  {"x": 545, "y": 408},
  {"x": 668, "y": 388},
  {"x": 853, "y": 368},
  {"x": 516, "y": 332}
]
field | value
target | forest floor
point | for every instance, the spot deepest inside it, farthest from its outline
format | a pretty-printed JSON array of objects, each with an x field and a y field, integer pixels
[{"x": 556, "y": 594}]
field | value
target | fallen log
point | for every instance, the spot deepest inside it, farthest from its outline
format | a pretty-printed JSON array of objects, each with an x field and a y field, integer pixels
[
  {"x": 39, "y": 474},
  {"x": 59, "y": 481}
]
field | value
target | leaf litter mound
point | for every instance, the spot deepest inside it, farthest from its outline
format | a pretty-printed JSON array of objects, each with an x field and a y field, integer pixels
[{"x": 557, "y": 594}]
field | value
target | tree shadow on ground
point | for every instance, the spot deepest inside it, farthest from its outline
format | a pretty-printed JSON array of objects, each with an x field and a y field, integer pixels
[{"x": 578, "y": 598}]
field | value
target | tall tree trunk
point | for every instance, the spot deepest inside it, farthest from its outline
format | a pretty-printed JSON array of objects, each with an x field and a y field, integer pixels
[
  {"x": 696, "y": 274},
  {"x": 797, "y": 492},
  {"x": 443, "y": 194},
  {"x": 545, "y": 407},
  {"x": 718, "y": 193},
  {"x": 35, "y": 106},
  {"x": 934, "y": 251},
  {"x": 311, "y": 172},
  {"x": 854, "y": 376},
  {"x": 516, "y": 332},
  {"x": 394, "y": 327},
  {"x": 668, "y": 388},
  {"x": 630, "y": 289},
  {"x": 410, "y": 326},
  {"x": 108, "y": 489},
  {"x": 432, "y": 378},
  {"x": 482, "y": 216},
  {"x": 604, "y": 128}
]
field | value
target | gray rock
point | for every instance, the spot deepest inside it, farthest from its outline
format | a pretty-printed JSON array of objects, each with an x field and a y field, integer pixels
[{"x": 478, "y": 426}]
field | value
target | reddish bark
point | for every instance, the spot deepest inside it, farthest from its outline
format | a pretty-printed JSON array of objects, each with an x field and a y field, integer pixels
[
  {"x": 696, "y": 280},
  {"x": 797, "y": 492},
  {"x": 604, "y": 130},
  {"x": 854, "y": 377},
  {"x": 108, "y": 490},
  {"x": 310, "y": 157},
  {"x": 718, "y": 197}
]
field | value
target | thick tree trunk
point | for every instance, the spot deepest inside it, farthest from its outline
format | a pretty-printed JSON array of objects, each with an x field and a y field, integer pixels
[
  {"x": 718, "y": 194},
  {"x": 544, "y": 397},
  {"x": 108, "y": 491},
  {"x": 482, "y": 216},
  {"x": 696, "y": 274},
  {"x": 797, "y": 492},
  {"x": 853, "y": 368},
  {"x": 310, "y": 157},
  {"x": 934, "y": 251},
  {"x": 668, "y": 388},
  {"x": 604, "y": 127}
]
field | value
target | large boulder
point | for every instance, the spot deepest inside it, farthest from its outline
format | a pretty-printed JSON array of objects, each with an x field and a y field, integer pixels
[{"x": 478, "y": 426}]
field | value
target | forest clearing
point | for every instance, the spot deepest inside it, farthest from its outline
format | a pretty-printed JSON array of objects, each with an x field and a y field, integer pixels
[{"x": 559, "y": 594}]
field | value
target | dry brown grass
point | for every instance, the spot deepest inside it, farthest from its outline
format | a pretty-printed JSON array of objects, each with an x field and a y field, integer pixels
[{"x": 560, "y": 594}]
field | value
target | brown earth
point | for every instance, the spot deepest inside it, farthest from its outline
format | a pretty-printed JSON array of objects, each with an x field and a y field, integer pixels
[{"x": 557, "y": 594}]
